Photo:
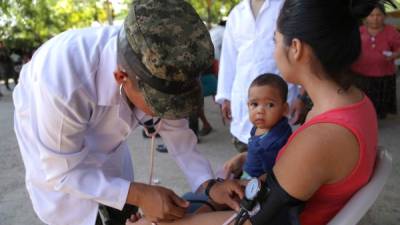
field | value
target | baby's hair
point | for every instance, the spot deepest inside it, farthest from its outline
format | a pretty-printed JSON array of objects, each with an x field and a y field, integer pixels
[{"x": 272, "y": 80}]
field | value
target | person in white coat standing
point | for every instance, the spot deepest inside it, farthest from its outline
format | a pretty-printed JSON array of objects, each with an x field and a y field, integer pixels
[
  {"x": 247, "y": 52},
  {"x": 85, "y": 90}
]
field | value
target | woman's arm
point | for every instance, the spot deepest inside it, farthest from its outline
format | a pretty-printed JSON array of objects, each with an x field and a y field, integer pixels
[
  {"x": 320, "y": 154},
  {"x": 214, "y": 218}
]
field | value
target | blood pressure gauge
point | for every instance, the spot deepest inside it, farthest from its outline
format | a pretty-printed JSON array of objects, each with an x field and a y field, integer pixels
[{"x": 252, "y": 189}]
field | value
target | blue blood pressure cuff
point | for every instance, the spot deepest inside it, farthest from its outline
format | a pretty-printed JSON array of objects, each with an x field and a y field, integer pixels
[{"x": 277, "y": 206}]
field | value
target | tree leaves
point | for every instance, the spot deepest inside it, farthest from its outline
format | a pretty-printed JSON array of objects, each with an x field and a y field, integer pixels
[
  {"x": 26, "y": 24},
  {"x": 218, "y": 10}
]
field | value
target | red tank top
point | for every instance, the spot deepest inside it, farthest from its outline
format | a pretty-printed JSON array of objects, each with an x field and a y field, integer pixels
[{"x": 359, "y": 119}]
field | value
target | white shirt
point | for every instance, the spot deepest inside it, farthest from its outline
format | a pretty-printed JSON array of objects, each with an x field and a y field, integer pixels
[
  {"x": 217, "y": 34},
  {"x": 72, "y": 124},
  {"x": 247, "y": 52}
]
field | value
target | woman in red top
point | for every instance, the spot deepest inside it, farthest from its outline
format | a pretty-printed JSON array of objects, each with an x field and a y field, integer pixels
[
  {"x": 376, "y": 68},
  {"x": 332, "y": 155}
]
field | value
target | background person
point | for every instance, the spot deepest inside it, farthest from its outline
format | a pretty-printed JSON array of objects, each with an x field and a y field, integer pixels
[
  {"x": 217, "y": 35},
  {"x": 209, "y": 87},
  {"x": 209, "y": 81},
  {"x": 7, "y": 70},
  {"x": 85, "y": 90},
  {"x": 376, "y": 67}
]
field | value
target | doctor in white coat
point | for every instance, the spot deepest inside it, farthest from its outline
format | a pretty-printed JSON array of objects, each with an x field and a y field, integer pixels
[
  {"x": 247, "y": 52},
  {"x": 85, "y": 90}
]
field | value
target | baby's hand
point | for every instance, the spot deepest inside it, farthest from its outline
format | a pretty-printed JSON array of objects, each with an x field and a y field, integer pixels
[
  {"x": 234, "y": 165},
  {"x": 136, "y": 219}
]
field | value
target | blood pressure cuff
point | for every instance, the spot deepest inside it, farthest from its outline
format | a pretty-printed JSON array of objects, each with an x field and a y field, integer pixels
[{"x": 278, "y": 208}]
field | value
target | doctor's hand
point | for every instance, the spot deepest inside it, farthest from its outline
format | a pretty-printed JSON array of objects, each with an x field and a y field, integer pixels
[
  {"x": 228, "y": 192},
  {"x": 158, "y": 204},
  {"x": 226, "y": 110}
]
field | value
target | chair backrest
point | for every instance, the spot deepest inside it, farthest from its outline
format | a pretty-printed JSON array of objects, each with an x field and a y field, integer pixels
[{"x": 359, "y": 204}]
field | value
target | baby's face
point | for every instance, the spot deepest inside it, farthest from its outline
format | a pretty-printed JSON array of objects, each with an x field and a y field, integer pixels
[{"x": 266, "y": 106}]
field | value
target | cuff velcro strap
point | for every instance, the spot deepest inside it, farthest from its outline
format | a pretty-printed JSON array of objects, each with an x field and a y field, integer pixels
[{"x": 209, "y": 186}]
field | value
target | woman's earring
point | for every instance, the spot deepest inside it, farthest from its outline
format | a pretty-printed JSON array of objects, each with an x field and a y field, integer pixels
[
  {"x": 120, "y": 89},
  {"x": 121, "y": 85}
]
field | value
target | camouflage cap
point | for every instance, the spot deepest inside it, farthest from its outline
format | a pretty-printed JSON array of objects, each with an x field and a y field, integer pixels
[{"x": 165, "y": 44}]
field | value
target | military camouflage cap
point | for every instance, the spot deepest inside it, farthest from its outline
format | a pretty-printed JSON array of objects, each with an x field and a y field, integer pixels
[{"x": 165, "y": 44}]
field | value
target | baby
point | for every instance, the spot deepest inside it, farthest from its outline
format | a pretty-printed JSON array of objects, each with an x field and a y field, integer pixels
[{"x": 267, "y": 109}]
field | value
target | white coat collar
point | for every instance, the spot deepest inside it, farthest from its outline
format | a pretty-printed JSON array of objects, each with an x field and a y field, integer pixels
[{"x": 247, "y": 6}]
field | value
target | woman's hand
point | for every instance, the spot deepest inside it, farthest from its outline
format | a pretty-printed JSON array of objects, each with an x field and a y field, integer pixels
[
  {"x": 136, "y": 219},
  {"x": 226, "y": 111},
  {"x": 228, "y": 192},
  {"x": 235, "y": 165}
]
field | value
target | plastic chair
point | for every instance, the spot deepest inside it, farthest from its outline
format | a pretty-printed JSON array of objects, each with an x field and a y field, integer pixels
[{"x": 362, "y": 201}]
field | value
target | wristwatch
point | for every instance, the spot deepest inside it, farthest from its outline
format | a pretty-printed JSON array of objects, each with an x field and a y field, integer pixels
[{"x": 209, "y": 186}]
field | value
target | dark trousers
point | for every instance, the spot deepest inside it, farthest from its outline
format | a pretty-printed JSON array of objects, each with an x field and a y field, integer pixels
[
  {"x": 194, "y": 123},
  {"x": 111, "y": 216}
]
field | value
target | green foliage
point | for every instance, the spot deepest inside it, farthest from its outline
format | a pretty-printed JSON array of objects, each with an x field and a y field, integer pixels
[
  {"x": 218, "y": 9},
  {"x": 26, "y": 24},
  {"x": 390, "y": 8}
]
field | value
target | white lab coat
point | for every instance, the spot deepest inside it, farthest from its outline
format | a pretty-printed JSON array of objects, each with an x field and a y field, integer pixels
[
  {"x": 72, "y": 124},
  {"x": 247, "y": 51},
  {"x": 217, "y": 34}
]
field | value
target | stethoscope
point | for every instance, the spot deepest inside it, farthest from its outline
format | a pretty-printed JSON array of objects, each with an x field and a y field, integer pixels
[{"x": 156, "y": 125}]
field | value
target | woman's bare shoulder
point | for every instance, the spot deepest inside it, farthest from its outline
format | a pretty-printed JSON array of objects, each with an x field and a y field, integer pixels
[{"x": 319, "y": 154}]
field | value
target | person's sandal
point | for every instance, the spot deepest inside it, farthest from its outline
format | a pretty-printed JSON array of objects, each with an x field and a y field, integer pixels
[
  {"x": 205, "y": 131},
  {"x": 161, "y": 148}
]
